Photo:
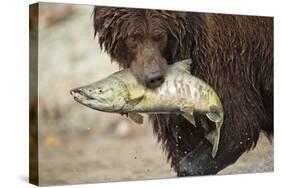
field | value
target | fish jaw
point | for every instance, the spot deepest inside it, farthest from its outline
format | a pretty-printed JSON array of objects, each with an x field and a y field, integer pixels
[
  {"x": 81, "y": 97},
  {"x": 101, "y": 105}
]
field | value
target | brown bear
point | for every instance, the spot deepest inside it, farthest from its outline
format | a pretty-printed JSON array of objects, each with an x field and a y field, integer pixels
[{"x": 232, "y": 53}]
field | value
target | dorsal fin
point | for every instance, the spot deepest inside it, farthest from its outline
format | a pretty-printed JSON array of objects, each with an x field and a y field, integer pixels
[{"x": 183, "y": 65}]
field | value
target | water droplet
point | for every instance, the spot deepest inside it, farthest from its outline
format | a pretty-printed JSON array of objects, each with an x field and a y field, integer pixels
[
  {"x": 179, "y": 137},
  {"x": 189, "y": 163},
  {"x": 241, "y": 143},
  {"x": 185, "y": 152},
  {"x": 248, "y": 138}
]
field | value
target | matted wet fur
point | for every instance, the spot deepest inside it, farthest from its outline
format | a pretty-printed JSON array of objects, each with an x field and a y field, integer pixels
[{"x": 234, "y": 54}]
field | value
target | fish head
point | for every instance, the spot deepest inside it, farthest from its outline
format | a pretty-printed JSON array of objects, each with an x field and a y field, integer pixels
[{"x": 107, "y": 95}]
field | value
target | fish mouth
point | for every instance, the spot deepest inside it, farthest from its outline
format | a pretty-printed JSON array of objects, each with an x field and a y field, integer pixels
[{"x": 79, "y": 94}]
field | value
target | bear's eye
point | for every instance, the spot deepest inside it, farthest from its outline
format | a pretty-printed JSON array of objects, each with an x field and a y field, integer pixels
[
  {"x": 134, "y": 37},
  {"x": 100, "y": 90},
  {"x": 158, "y": 36},
  {"x": 133, "y": 40}
]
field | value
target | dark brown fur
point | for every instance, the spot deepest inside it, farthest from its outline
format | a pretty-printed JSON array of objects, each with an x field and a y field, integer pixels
[{"x": 234, "y": 54}]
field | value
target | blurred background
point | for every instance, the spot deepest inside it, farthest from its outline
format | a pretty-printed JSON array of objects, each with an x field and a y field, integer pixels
[{"x": 80, "y": 145}]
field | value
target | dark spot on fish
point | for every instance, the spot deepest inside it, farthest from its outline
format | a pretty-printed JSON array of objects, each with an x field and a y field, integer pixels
[{"x": 200, "y": 88}]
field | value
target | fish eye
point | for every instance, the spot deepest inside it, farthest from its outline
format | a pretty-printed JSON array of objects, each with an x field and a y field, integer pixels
[{"x": 99, "y": 90}]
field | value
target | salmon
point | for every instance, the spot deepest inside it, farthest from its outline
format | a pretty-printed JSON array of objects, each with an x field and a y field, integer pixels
[{"x": 181, "y": 93}]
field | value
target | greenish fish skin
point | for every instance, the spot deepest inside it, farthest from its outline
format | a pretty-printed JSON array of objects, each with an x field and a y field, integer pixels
[{"x": 181, "y": 93}]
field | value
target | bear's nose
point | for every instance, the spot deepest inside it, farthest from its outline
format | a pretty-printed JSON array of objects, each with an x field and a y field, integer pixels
[{"x": 154, "y": 79}]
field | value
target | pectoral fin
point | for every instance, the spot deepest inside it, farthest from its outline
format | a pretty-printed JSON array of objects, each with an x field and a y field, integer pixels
[
  {"x": 136, "y": 117},
  {"x": 133, "y": 102},
  {"x": 188, "y": 113},
  {"x": 189, "y": 116}
]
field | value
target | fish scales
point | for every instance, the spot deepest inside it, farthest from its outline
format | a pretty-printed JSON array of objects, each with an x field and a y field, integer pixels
[{"x": 176, "y": 90}]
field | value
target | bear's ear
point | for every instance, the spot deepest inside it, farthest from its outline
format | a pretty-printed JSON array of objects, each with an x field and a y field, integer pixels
[
  {"x": 107, "y": 24},
  {"x": 103, "y": 17}
]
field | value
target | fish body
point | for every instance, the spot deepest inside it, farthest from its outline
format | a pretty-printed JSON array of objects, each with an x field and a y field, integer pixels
[{"x": 181, "y": 93}]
